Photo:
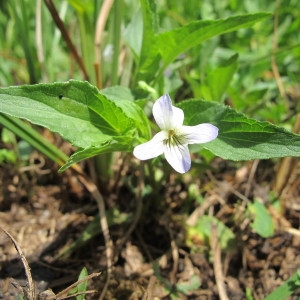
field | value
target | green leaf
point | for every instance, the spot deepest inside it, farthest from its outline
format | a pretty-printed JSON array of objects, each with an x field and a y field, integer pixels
[
  {"x": 193, "y": 284},
  {"x": 218, "y": 79},
  {"x": 34, "y": 138},
  {"x": 117, "y": 93},
  {"x": 133, "y": 34},
  {"x": 7, "y": 156},
  {"x": 173, "y": 43},
  {"x": 149, "y": 56},
  {"x": 79, "y": 113},
  {"x": 262, "y": 221},
  {"x": 111, "y": 145},
  {"x": 202, "y": 231},
  {"x": 240, "y": 138},
  {"x": 81, "y": 287},
  {"x": 124, "y": 99},
  {"x": 286, "y": 289}
]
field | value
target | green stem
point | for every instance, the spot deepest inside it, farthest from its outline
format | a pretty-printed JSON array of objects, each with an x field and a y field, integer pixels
[
  {"x": 23, "y": 28},
  {"x": 30, "y": 135}
]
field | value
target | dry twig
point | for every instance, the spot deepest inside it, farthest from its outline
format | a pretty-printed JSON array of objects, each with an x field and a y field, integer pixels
[
  {"x": 101, "y": 21},
  {"x": 251, "y": 176},
  {"x": 92, "y": 188},
  {"x": 285, "y": 171},
  {"x": 216, "y": 250},
  {"x": 175, "y": 256},
  {"x": 149, "y": 292},
  {"x": 31, "y": 288},
  {"x": 64, "y": 294},
  {"x": 60, "y": 25}
]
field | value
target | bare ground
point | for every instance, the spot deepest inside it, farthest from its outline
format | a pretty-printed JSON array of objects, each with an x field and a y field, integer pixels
[{"x": 46, "y": 212}]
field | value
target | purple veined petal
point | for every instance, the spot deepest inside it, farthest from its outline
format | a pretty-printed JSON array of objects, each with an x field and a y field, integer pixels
[
  {"x": 199, "y": 134},
  {"x": 151, "y": 149},
  {"x": 178, "y": 156},
  {"x": 167, "y": 116},
  {"x": 163, "y": 112}
]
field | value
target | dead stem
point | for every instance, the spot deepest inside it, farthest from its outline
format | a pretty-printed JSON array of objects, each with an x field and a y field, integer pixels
[
  {"x": 101, "y": 21},
  {"x": 31, "y": 288},
  {"x": 63, "y": 294},
  {"x": 92, "y": 188},
  {"x": 60, "y": 25},
  {"x": 285, "y": 170},
  {"x": 175, "y": 256},
  {"x": 149, "y": 292},
  {"x": 250, "y": 178},
  {"x": 200, "y": 210},
  {"x": 216, "y": 251}
]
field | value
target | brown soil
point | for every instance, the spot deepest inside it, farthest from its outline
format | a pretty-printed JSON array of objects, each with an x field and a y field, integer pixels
[{"x": 46, "y": 211}]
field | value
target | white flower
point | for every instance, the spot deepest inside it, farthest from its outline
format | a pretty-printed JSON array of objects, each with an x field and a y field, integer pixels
[{"x": 174, "y": 137}]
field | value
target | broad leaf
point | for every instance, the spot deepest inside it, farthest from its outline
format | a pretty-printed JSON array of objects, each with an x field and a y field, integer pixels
[
  {"x": 240, "y": 138},
  {"x": 124, "y": 99},
  {"x": 173, "y": 43},
  {"x": 170, "y": 44},
  {"x": 79, "y": 113}
]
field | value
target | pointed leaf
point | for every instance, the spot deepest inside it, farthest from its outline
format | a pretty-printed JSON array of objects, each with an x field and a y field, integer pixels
[
  {"x": 79, "y": 113},
  {"x": 173, "y": 43},
  {"x": 149, "y": 56},
  {"x": 81, "y": 287}
]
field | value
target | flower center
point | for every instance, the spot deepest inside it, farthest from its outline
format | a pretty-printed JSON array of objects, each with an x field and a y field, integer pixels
[
  {"x": 171, "y": 133},
  {"x": 173, "y": 138}
]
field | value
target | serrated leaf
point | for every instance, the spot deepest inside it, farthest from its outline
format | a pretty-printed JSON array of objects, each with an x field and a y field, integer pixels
[
  {"x": 79, "y": 113},
  {"x": 124, "y": 99},
  {"x": 240, "y": 138},
  {"x": 74, "y": 109}
]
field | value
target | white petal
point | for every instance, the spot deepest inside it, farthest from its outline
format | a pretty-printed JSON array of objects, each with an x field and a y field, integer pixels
[
  {"x": 167, "y": 116},
  {"x": 199, "y": 134},
  {"x": 178, "y": 156},
  {"x": 151, "y": 149},
  {"x": 178, "y": 116}
]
